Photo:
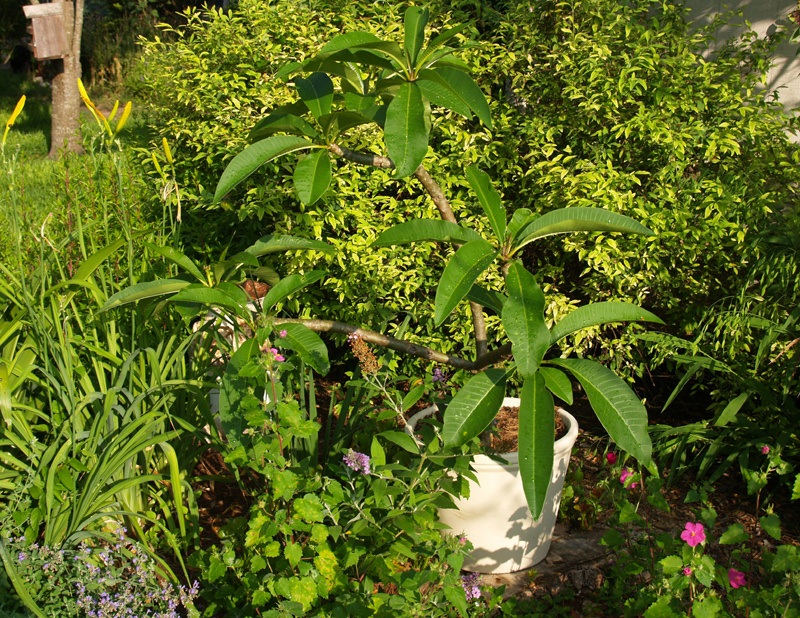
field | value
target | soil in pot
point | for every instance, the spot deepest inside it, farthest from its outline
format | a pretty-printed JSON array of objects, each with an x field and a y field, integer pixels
[{"x": 503, "y": 436}]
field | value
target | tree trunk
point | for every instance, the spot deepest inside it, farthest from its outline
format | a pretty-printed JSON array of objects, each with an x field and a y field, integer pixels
[{"x": 65, "y": 126}]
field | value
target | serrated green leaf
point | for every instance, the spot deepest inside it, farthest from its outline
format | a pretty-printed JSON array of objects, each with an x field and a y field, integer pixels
[
  {"x": 253, "y": 157},
  {"x": 536, "y": 431},
  {"x": 771, "y": 525},
  {"x": 734, "y": 534},
  {"x": 579, "y": 219},
  {"x": 523, "y": 319},
  {"x": 308, "y": 345},
  {"x": 614, "y": 403},
  {"x": 600, "y": 313},
  {"x": 707, "y": 607},
  {"x": 316, "y": 91},
  {"x": 558, "y": 383},
  {"x": 460, "y": 274},
  {"x": 312, "y": 176},
  {"x": 433, "y": 230},
  {"x": 490, "y": 201},
  {"x": 406, "y": 132},
  {"x": 671, "y": 564},
  {"x": 474, "y": 407},
  {"x": 289, "y": 285},
  {"x": 273, "y": 243},
  {"x": 232, "y": 391}
]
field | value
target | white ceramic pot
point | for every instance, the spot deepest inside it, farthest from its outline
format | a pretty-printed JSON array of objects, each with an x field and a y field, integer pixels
[{"x": 495, "y": 517}]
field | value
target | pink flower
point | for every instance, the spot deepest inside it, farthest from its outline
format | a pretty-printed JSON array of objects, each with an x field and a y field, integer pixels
[
  {"x": 276, "y": 356},
  {"x": 626, "y": 474},
  {"x": 462, "y": 540},
  {"x": 282, "y": 333},
  {"x": 765, "y": 450},
  {"x": 611, "y": 458},
  {"x": 687, "y": 571},
  {"x": 694, "y": 534},
  {"x": 736, "y": 578}
]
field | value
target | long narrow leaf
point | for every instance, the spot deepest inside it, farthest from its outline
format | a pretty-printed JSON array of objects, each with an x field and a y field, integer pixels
[
  {"x": 312, "y": 176},
  {"x": 536, "y": 440},
  {"x": 474, "y": 407},
  {"x": 523, "y": 319},
  {"x": 140, "y": 291},
  {"x": 600, "y": 313},
  {"x": 316, "y": 91},
  {"x": 433, "y": 230},
  {"x": 406, "y": 132},
  {"x": 253, "y": 157},
  {"x": 308, "y": 345},
  {"x": 468, "y": 90},
  {"x": 617, "y": 407},
  {"x": 490, "y": 201},
  {"x": 272, "y": 243},
  {"x": 289, "y": 285},
  {"x": 414, "y": 22}
]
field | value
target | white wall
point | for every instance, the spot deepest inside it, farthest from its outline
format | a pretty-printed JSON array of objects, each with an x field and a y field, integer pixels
[{"x": 765, "y": 16}]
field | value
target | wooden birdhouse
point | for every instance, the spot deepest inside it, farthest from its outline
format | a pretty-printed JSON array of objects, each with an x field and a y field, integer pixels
[{"x": 50, "y": 22}]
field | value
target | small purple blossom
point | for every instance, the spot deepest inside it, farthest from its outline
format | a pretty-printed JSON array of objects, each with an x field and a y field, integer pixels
[
  {"x": 736, "y": 578},
  {"x": 357, "y": 461},
  {"x": 438, "y": 376},
  {"x": 22, "y": 556},
  {"x": 472, "y": 586}
]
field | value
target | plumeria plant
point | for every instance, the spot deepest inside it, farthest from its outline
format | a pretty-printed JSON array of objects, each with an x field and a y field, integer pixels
[{"x": 393, "y": 86}]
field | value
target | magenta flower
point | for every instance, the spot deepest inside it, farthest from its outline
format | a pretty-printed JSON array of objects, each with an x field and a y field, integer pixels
[
  {"x": 736, "y": 578},
  {"x": 694, "y": 534},
  {"x": 626, "y": 474},
  {"x": 357, "y": 461},
  {"x": 687, "y": 571},
  {"x": 472, "y": 586},
  {"x": 611, "y": 458},
  {"x": 282, "y": 333},
  {"x": 765, "y": 450},
  {"x": 276, "y": 356}
]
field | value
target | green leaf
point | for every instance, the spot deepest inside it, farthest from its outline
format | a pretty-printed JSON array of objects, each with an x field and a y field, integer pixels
[
  {"x": 612, "y": 538},
  {"x": 204, "y": 295},
  {"x": 5, "y": 394},
  {"x": 413, "y": 396},
  {"x": 312, "y": 176},
  {"x": 523, "y": 319},
  {"x": 707, "y": 607},
  {"x": 232, "y": 390},
  {"x": 253, "y": 157},
  {"x": 460, "y": 273},
  {"x": 474, "y": 407},
  {"x": 734, "y": 534},
  {"x": 307, "y": 344},
  {"x": 293, "y": 553},
  {"x": 786, "y": 559},
  {"x": 376, "y": 452},
  {"x": 401, "y": 439},
  {"x": 731, "y": 410},
  {"x": 149, "y": 289},
  {"x": 387, "y": 48},
  {"x": 519, "y": 219},
  {"x": 490, "y": 201},
  {"x": 414, "y": 22},
  {"x": 339, "y": 122},
  {"x": 558, "y": 383},
  {"x": 273, "y": 243},
  {"x": 600, "y": 313},
  {"x": 536, "y": 440},
  {"x": 347, "y": 40},
  {"x": 289, "y": 285},
  {"x": 486, "y": 298},
  {"x": 437, "y": 91},
  {"x": 433, "y": 230},
  {"x": 316, "y": 91},
  {"x": 579, "y": 219},
  {"x": 437, "y": 43},
  {"x": 20, "y": 586},
  {"x": 671, "y": 564},
  {"x": 771, "y": 525},
  {"x": 468, "y": 91},
  {"x": 614, "y": 403},
  {"x": 406, "y": 132},
  {"x": 281, "y": 123}
]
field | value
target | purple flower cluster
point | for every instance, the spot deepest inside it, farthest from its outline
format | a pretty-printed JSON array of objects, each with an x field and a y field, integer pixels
[
  {"x": 438, "y": 376},
  {"x": 357, "y": 461},
  {"x": 472, "y": 586}
]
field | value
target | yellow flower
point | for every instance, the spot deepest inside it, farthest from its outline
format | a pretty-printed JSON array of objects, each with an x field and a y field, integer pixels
[
  {"x": 124, "y": 118},
  {"x": 14, "y": 114}
]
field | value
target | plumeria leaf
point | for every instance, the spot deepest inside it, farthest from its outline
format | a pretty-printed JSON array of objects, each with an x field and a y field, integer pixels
[
  {"x": 406, "y": 132},
  {"x": 289, "y": 285},
  {"x": 273, "y": 243},
  {"x": 414, "y": 22},
  {"x": 614, "y": 403},
  {"x": 558, "y": 383},
  {"x": 312, "y": 176},
  {"x": 434, "y": 230},
  {"x": 600, "y": 313},
  {"x": 486, "y": 298},
  {"x": 490, "y": 201},
  {"x": 308, "y": 345},
  {"x": 148, "y": 289},
  {"x": 460, "y": 274},
  {"x": 474, "y": 407},
  {"x": 316, "y": 92},
  {"x": 281, "y": 123},
  {"x": 439, "y": 92},
  {"x": 523, "y": 319},
  {"x": 469, "y": 92},
  {"x": 437, "y": 43},
  {"x": 536, "y": 442},
  {"x": 339, "y": 122}
]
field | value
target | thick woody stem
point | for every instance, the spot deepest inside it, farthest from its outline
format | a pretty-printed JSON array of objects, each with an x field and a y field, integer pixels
[
  {"x": 445, "y": 212},
  {"x": 406, "y": 347}
]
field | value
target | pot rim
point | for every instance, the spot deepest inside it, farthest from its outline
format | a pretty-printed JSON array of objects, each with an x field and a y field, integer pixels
[{"x": 564, "y": 443}]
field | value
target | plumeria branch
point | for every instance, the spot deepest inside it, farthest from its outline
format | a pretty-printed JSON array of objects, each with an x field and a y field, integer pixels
[
  {"x": 436, "y": 193},
  {"x": 406, "y": 347}
]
